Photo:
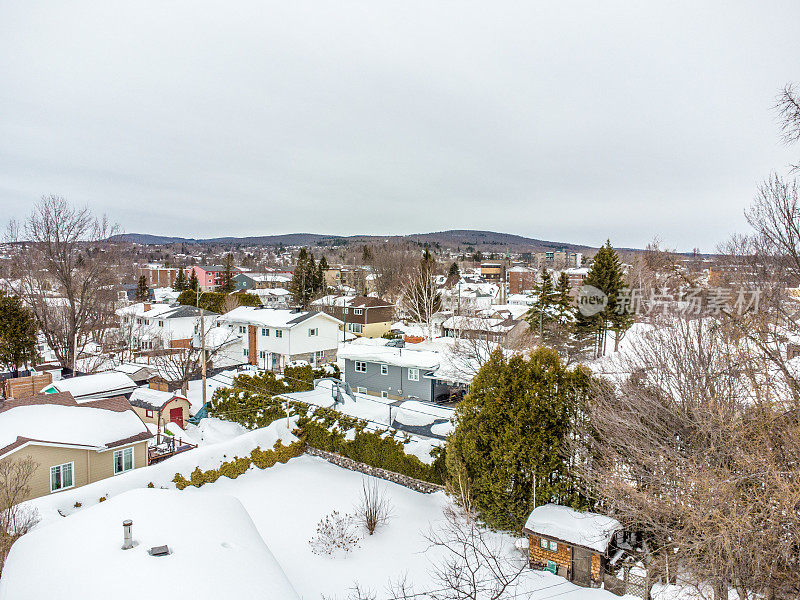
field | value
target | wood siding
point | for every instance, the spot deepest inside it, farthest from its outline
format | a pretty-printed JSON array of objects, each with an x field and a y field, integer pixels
[{"x": 562, "y": 556}]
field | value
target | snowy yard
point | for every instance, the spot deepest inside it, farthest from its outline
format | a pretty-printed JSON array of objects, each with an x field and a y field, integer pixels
[{"x": 287, "y": 501}]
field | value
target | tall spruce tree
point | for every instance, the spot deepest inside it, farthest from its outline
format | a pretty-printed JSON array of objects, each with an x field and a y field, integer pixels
[
  {"x": 180, "y": 284},
  {"x": 511, "y": 431},
  {"x": 308, "y": 281},
  {"x": 606, "y": 275},
  {"x": 542, "y": 314},
  {"x": 18, "y": 334},
  {"x": 194, "y": 282},
  {"x": 142, "y": 291},
  {"x": 227, "y": 275}
]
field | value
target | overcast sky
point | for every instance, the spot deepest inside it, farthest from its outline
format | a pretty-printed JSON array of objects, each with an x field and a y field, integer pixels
[{"x": 568, "y": 121}]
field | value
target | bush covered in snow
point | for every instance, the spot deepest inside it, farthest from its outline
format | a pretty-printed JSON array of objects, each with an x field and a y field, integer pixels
[
  {"x": 336, "y": 533},
  {"x": 262, "y": 459}
]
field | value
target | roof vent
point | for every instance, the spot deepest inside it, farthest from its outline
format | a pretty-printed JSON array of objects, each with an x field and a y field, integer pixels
[
  {"x": 127, "y": 536},
  {"x": 159, "y": 551}
]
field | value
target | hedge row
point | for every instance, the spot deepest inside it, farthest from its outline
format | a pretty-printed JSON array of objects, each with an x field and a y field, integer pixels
[
  {"x": 263, "y": 459},
  {"x": 327, "y": 429}
]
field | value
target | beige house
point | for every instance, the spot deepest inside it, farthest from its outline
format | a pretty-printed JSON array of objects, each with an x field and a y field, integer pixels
[
  {"x": 73, "y": 444},
  {"x": 160, "y": 407}
]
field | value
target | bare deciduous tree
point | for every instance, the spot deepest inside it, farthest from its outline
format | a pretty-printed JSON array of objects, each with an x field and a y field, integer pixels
[
  {"x": 15, "y": 520},
  {"x": 65, "y": 274},
  {"x": 696, "y": 448}
]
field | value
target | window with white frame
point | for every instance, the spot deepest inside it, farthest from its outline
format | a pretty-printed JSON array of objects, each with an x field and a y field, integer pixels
[
  {"x": 358, "y": 311},
  {"x": 123, "y": 460},
  {"x": 242, "y": 328},
  {"x": 413, "y": 374},
  {"x": 279, "y": 333},
  {"x": 265, "y": 332},
  {"x": 357, "y": 328},
  {"x": 361, "y": 390},
  {"x": 384, "y": 394},
  {"x": 384, "y": 369},
  {"x": 262, "y": 354},
  {"x": 161, "y": 323},
  {"x": 361, "y": 366},
  {"x": 320, "y": 355},
  {"x": 313, "y": 331},
  {"x": 345, "y": 310},
  {"x": 543, "y": 543},
  {"x": 61, "y": 476}
]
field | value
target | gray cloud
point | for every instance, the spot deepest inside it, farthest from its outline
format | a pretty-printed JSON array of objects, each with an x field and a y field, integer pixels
[{"x": 570, "y": 121}]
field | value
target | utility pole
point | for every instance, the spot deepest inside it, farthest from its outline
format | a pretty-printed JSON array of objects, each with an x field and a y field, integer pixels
[
  {"x": 202, "y": 343},
  {"x": 74, "y": 353}
]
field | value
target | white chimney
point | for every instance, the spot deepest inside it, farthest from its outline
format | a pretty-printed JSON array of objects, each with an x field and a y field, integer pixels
[{"x": 127, "y": 537}]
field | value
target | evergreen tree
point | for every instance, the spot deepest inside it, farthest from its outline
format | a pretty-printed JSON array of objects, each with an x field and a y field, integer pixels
[
  {"x": 142, "y": 291},
  {"x": 227, "y": 275},
  {"x": 606, "y": 275},
  {"x": 308, "y": 281},
  {"x": 180, "y": 283},
  {"x": 511, "y": 430},
  {"x": 543, "y": 313},
  {"x": 453, "y": 272},
  {"x": 194, "y": 283},
  {"x": 18, "y": 334},
  {"x": 322, "y": 267}
]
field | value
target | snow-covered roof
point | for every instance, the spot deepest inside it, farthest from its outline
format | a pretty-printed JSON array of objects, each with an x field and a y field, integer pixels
[
  {"x": 97, "y": 424},
  {"x": 590, "y": 530},
  {"x": 130, "y": 368},
  {"x": 209, "y": 529},
  {"x": 270, "y": 317},
  {"x": 151, "y": 399},
  {"x": 398, "y": 357},
  {"x": 162, "y": 310},
  {"x": 105, "y": 385}
]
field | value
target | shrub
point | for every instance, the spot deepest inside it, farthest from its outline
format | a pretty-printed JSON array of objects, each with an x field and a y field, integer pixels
[
  {"x": 374, "y": 508},
  {"x": 102, "y": 498},
  {"x": 335, "y": 533},
  {"x": 78, "y": 505},
  {"x": 151, "y": 485}
]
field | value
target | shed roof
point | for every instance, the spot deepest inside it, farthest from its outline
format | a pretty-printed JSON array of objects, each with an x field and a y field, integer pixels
[{"x": 590, "y": 530}]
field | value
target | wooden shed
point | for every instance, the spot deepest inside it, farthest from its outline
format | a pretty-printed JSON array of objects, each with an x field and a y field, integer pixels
[{"x": 570, "y": 543}]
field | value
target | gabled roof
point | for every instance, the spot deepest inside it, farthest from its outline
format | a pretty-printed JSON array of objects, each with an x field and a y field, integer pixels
[
  {"x": 109, "y": 383},
  {"x": 150, "y": 399},
  {"x": 271, "y": 317},
  {"x": 590, "y": 530},
  {"x": 57, "y": 419}
]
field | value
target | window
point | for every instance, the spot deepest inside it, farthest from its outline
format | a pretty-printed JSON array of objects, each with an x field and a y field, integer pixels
[
  {"x": 265, "y": 332},
  {"x": 123, "y": 460},
  {"x": 413, "y": 374},
  {"x": 361, "y": 390},
  {"x": 278, "y": 333},
  {"x": 358, "y": 311},
  {"x": 262, "y": 354},
  {"x": 242, "y": 329},
  {"x": 320, "y": 355},
  {"x": 61, "y": 477},
  {"x": 148, "y": 413},
  {"x": 313, "y": 331},
  {"x": 554, "y": 546},
  {"x": 543, "y": 543},
  {"x": 345, "y": 310},
  {"x": 357, "y": 328},
  {"x": 384, "y": 394},
  {"x": 384, "y": 369},
  {"x": 245, "y": 352},
  {"x": 361, "y": 367},
  {"x": 161, "y": 323}
]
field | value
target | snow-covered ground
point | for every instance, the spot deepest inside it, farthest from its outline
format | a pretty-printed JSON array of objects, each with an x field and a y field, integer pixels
[{"x": 288, "y": 500}]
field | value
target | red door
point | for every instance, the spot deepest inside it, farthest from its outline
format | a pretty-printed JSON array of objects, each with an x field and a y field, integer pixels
[{"x": 176, "y": 416}]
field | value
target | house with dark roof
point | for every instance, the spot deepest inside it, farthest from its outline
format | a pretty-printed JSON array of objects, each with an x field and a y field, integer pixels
[
  {"x": 362, "y": 316},
  {"x": 72, "y": 443},
  {"x": 156, "y": 326},
  {"x": 272, "y": 337}
]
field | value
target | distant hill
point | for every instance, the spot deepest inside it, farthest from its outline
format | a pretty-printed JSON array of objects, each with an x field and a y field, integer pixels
[{"x": 454, "y": 238}]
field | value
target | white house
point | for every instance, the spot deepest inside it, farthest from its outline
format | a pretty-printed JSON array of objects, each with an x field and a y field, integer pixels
[
  {"x": 154, "y": 326},
  {"x": 272, "y": 338}
]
